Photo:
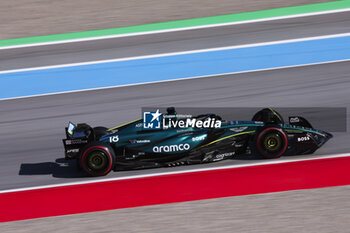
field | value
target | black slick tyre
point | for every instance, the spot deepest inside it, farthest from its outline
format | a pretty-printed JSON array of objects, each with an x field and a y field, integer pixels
[
  {"x": 271, "y": 142},
  {"x": 97, "y": 159}
]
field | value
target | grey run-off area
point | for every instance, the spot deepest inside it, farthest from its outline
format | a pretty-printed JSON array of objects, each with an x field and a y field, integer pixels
[
  {"x": 233, "y": 35},
  {"x": 23, "y": 18},
  {"x": 311, "y": 211}
]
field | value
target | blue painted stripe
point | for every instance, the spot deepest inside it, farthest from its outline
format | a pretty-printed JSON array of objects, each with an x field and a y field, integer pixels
[{"x": 38, "y": 82}]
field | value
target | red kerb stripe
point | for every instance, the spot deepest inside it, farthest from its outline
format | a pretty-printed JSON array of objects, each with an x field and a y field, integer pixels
[{"x": 172, "y": 188}]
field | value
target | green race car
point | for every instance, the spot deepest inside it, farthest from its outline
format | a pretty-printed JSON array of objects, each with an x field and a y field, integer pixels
[{"x": 150, "y": 142}]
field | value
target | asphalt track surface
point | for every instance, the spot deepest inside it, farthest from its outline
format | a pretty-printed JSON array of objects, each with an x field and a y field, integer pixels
[
  {"x": 31, "y": 128},
  {"x": 175, "y": 41}
]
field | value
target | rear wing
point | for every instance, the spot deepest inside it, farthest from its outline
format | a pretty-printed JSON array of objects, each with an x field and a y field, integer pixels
[{"x": 77, "y": 136}]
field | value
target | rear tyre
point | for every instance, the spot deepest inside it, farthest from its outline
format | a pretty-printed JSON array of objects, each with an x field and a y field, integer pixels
[
  {"x": 271, "y": 142},
  {"x": 97, "y": 159}
]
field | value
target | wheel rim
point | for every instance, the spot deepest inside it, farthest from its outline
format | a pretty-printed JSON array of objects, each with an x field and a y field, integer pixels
[
  {"x": 272, "y": 142},
  {"x": 97, "y": 160}
]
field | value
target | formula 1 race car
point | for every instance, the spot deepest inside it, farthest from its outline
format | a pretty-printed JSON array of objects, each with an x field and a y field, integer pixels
[{"x": 136, "y": 145}]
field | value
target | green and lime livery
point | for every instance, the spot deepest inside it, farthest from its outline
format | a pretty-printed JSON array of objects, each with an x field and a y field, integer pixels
[{"x": 130, "y": 146}]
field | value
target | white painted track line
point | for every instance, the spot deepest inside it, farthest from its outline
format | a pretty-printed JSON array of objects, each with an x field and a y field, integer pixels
[
  {"x": 178, "y": 53},
  {"x": 175, "y": 29},
  {"x": 173, "y": 80},
  {"x": 267, "y": 162}
]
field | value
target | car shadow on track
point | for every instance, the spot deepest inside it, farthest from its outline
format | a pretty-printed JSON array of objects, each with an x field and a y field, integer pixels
[
  {"x": 61, "y": 168},
  {"x": 257, "y": 157}
]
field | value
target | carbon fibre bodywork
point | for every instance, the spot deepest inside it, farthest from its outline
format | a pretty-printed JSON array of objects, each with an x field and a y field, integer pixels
[{"x": 136, "y": 147}]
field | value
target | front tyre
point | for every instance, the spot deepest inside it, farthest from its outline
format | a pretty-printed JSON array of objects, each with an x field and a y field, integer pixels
[
  {"x": 97, "y": 159},
  {"x": 272, "y": 142}
]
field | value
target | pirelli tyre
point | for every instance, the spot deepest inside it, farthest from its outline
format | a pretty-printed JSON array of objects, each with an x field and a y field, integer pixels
[
  {"x": 97, "y": 159},
  {"x": 271, "y": 142}
]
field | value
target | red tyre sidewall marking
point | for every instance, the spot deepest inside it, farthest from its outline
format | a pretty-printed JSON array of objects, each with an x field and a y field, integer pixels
[
  {"x": 285, "y": 138},
  {"x": 102, "y": 148}
]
